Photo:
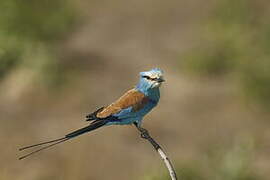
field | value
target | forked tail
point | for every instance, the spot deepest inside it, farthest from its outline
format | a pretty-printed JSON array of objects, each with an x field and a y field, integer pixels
[{"x": 94, "y": 125}]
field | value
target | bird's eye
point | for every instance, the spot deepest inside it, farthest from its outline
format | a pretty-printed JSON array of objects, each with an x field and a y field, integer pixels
[{"x": 147, "y": 77}]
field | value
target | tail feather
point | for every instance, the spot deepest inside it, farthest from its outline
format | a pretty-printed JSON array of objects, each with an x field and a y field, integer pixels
[
  {"x": 43, "y": 148},
  {"x": 93, "y": 116},
  {"x": 92, "y": 126},
  {"x": 47, "y": 142}
]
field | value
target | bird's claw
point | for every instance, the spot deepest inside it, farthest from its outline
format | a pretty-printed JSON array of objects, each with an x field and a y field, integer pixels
[
  {"x": 143, "y": 136},
  {"x": 144, "y": 133}
]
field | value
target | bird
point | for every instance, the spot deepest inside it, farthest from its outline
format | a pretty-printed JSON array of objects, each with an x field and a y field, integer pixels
[{"x": 130, "y": 108}]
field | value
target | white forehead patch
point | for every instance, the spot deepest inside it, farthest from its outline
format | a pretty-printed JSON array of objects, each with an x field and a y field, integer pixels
[{"x": 154, "y": 74}]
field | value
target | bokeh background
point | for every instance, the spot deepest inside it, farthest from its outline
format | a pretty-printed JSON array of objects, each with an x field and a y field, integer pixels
[{"x": 61, "y": 59}]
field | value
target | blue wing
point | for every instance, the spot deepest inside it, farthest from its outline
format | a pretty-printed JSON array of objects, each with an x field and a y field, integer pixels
[{"x": 132, "y": 106}]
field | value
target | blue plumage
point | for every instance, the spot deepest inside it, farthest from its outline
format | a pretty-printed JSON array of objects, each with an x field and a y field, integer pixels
[
  {"x": 128, "y": 109},
  {"x": 149, "y": 84}
]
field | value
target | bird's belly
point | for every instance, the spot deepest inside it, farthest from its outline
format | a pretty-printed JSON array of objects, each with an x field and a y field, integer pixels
[{"x": 146, "y": 109}]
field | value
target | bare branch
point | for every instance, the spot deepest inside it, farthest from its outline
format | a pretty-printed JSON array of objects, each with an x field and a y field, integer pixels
[{"x": 164, "y": 157}]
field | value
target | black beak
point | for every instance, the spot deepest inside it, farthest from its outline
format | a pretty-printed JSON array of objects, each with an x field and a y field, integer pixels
[{"x": 160, "y": 80}]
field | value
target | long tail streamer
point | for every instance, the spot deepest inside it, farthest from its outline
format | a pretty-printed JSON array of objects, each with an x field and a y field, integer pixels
[
  {"x": 55, "y": 142},
  {"x": 94, "y": 125}
]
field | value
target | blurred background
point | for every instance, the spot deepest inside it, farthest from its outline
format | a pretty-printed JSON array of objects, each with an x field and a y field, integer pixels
[{"x": 61, "y": 59}]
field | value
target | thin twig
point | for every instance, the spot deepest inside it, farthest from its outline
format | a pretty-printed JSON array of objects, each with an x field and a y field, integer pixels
[{"x": 164, "y": 157}]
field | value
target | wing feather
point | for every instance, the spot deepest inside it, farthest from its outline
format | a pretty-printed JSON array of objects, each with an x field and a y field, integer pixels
[{"x": 132, "y": 98}]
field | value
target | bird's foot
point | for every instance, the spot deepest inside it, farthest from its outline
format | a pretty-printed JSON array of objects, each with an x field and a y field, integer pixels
[{"x": 144, "y": 133}]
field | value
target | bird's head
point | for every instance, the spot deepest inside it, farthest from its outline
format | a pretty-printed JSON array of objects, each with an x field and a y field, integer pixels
[{"x": 152, "y": 79}]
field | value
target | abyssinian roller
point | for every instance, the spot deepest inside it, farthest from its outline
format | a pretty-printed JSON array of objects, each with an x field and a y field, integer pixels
[{"x": 128, "y": 109}]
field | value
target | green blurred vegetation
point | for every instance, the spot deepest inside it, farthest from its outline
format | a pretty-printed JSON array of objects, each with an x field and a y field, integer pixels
[
  {"x": 235, "y": 44},
  {"x": 219, "y": 163},
  {"x": 29, "y": 31}
]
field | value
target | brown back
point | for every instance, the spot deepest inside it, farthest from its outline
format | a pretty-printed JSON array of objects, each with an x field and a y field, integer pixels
[{"x": 132, "y": 98}]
